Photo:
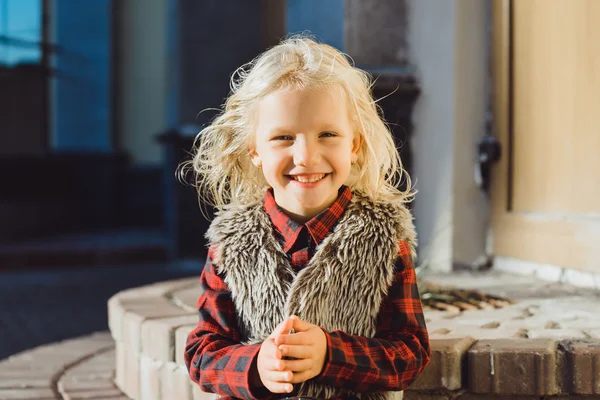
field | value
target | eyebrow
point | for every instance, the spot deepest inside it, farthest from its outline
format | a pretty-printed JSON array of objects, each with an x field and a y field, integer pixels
[
  {"x": 280, "y": 131},
  {"x": 286, "y": 131}
]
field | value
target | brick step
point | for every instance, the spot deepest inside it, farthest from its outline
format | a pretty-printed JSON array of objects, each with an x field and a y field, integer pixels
[
  {"x": 545, "y": 346},
  {"x": 108, "y": 248}
]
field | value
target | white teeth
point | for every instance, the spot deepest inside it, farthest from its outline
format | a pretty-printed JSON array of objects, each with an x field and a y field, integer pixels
[{"x": 308, "y": 179}]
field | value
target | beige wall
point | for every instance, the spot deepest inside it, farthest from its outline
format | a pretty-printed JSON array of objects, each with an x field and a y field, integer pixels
[
  {"x": 143, "y": 78},
  {"x": 545, "y": 212},
  {"x": 447, "y": 46}
]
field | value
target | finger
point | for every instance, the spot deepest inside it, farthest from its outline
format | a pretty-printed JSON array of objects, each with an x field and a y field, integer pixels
[
  {"x": 279, "y": 387},
  {"x": 297, "y": 365},
  {"x": 295, "y": 339},
  {"x": 271, "y": 350},
  {"x": 277, "y": 365},
  {"x": 279, "y": 376},
  {"x": 284, "y": 327},
  {"x": 302, "y": 376},
  {"x": 299, "y": 352}
]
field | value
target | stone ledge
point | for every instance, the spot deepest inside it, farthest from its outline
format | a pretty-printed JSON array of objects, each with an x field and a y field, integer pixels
[
  {"x": 583, "y": 363},
  {"x": 544, "y": 344},
  {"x": 150, "y": 325},
  {"x": 143, "y": 298},
  {"x": 448, "y": 361},
  {"x": 499, "y": 366},
  {"x": 159, "y": 336}
]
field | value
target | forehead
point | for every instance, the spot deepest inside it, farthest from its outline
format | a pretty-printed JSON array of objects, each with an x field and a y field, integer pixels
[{"x": 302, "y": 110}]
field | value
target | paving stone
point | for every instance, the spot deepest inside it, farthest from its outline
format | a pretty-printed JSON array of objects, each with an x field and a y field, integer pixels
[
  {"x": 146, "y": 307},
  {"x": 583, "y": 366},
  {"x": 175, "y": 382},
  {"x": 181, "y": 335},
  {"x": 127, "y": 374},
  {"x": 188, "y": 298},
  {"x": 120, "y": 365},
  {"x": 31, "y": 373},
  {"x": 86, "y": 374},
  {"x": 20, "y": 380},
  {"x": 78, "y": 382},
  {"x": 140, "y": 298},
  {"x": 513, "y": 366},
  {"x": 474, "y": 332},
  {"x": 27, "y": 394},
  {"x": 448, "y": 361},
  {"x": 592, "y": 333},
  {"x": 474, "y": 396},
  {"x": 93, "y": 394},
  {"x": 569, "y": 311},
  {"x": 150, "y": 378},
  {"x": 416, "y": 395},
  {"x": 555, "y": 334},
  {"x": 198, "y": 394},
  {"x": 432, "y": 314},
  {"x": 158, "y": 336},
  {"x": 45, "y": 358},
  {"x": 90, "y": 379},
  {"x": 135, "y": 316},
  {"x": 99, "y": 366}
]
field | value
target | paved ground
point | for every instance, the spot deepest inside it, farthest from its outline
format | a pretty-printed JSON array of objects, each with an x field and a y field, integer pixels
[
  {"x": 45, "y": 306},
  {"x": 542, "y": 309}
]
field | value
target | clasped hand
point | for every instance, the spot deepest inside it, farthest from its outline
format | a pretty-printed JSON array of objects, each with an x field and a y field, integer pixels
[{"x": 304, "y": 351}]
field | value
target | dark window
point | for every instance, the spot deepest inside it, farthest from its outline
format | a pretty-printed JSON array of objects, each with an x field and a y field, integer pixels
[{"x": 23, "y": 78}]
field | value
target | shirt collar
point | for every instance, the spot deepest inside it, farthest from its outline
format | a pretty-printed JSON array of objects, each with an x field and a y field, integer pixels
[{"x": 318, "y": 227}]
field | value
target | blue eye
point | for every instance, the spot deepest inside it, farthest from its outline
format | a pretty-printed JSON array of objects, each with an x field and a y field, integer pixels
[{"x": 328, "y": 134}]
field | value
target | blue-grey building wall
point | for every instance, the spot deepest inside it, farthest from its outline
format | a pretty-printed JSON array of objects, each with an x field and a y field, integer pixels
[
  {"x": 81, "y": 111},
  {"x": 324, "y": 18},
  {"x": 216, "y": 37}
]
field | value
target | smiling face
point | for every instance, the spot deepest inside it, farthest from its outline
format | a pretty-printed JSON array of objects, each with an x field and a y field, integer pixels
[{"x": 305, "y": 142}]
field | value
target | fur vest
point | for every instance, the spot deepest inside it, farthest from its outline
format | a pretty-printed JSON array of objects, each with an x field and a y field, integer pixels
[{"x": 341, "y": 288}]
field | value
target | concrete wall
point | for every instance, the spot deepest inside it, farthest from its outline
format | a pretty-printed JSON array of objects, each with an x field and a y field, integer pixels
[
  {"x": 143, "y": 78},
  {"x": 375, "y": 33},
  {"x": 470, "y": 205},
  {"x": 176, "y": 59},
  {"x": 447, "y": 46}
]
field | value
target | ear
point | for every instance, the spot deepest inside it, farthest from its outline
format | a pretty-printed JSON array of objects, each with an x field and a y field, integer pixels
[
  {"x": 255, "y": 158},
  {"x": 357, "y": 142}
]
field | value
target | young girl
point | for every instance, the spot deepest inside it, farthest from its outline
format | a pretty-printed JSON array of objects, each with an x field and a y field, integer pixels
[{"x": 309, "y": 288}]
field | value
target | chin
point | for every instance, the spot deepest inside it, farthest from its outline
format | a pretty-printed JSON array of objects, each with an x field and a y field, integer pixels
[{"x": 311, "y": 204}]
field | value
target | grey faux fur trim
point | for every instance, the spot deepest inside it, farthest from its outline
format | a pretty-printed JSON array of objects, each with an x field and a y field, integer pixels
[{"x": 341, "y": 288}]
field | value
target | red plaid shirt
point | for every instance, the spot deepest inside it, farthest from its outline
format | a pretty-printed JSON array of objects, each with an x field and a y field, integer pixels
[{"x": 390, "y": 361}]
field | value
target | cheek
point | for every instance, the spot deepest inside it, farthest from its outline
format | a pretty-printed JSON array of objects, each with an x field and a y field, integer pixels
[
  {"x": 273, "y": 165},
  {"x": 344, "y": 156}
]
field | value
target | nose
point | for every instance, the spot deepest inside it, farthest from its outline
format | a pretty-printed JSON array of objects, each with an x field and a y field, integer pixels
[{"x": 306, "y": 152}]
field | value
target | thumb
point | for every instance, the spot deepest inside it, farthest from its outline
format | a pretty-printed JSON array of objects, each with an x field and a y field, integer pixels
[{"x": 283, "y": 328}]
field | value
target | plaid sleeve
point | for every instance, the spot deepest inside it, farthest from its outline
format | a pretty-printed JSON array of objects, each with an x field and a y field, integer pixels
[
  {"x": 215, "y": 359},
  {"x": 397, "y": 354}
]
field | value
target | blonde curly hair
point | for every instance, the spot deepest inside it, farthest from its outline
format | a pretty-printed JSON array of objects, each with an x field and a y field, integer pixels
[{"x": 221, "y": 157}]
